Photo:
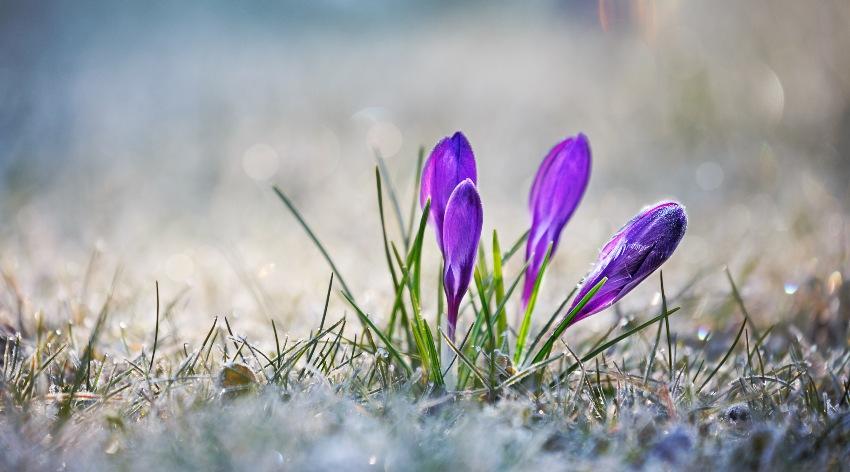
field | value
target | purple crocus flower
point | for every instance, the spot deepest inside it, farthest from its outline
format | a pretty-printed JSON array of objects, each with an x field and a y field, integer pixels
[
  {"x": 632, "y": 254},
  {"x": 461, "y": 233},
  {"x": 556, "y": 192},
  {"x": 450, "y": 163}
]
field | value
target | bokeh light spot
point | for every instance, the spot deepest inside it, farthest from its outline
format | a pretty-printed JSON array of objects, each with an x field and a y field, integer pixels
[
  {"x": 385, "y": 137},
  {"x": 709, "y": 175},
  {"x": 179, "y": 267},
  {"x": 260, "y": 162}
]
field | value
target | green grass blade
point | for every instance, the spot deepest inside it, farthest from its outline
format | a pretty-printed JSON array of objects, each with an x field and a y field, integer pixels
[
  {"x": 391, "y": 190},
  {"x": 528, "y": 371},
  {"x": 286, "y": 201},
  {"x": 725, "y": 357},
  {"x": 415, "y": 200},
  {"x": 156, "y": 330},
  {"x": 651, "y": 360},
  {"x": 387, "y": 343},
  {"x": 436, "y": 371},
  {"x": 670, "y": 359},
  {"x": 482, "y": 262},
  {"x": 82, "y": 371},
  {"x": 552, "y": 318},
  {"x": 515, "y": 247},
  {"x": 414, "y": 261},
  {"x": 469, "y": 364},
  {"x": 604, "y": 347},
  {"x": 324, "y": 316},
  {"x": 499, "y": 285},
  {"x": 529, "y": 309},
  {"x": 390, "y": 265},
  {"x": 740, "y": 301},
  {"x": 405, "y": 274},
  {"x": 485, "y": 310},
  {"x": 547, "y": 346},
  {"x": 415, "y": 255}
]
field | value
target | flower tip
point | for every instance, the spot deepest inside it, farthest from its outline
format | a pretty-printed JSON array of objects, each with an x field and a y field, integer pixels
[
  {"x": 449, "y": 162},
  {"x": 582, "y": 145},
  {"x": 582, "y": 138},
  {"x": 677, "y": 216},
  {"x": 458, "y": 136}
]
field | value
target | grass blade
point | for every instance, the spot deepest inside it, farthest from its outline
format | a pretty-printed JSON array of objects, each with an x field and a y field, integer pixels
[
  {"x": 419, "y": 159},
  {"x": 547, "y": 346},
  {"x": 387, "y": 343},
  {"x": 156, "y": 330},
  {"x": 554, "y": 315},
  {"x": 604, "y": 347},
  {"x": 499, "y": 285},
  {"x": 391, "y": 190},
  {"x": 515, "y": 247},
  {"x": 529, "y": 309},
  {"x": 469, "y": 364},
  {"x": 725, "y": 357},
  {"x": 313, "y": 238},
  {"x": 390, "y": 264}
]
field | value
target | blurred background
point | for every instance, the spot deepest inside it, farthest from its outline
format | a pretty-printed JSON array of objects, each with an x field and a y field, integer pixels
[{"x": 147, "y": 136}]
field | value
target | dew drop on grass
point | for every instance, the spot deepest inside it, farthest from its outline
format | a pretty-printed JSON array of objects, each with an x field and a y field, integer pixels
[
  {"x": 791, "y": 288},
  {"x": 382, "y": 353},
  {"x": 703, "y": 333}
]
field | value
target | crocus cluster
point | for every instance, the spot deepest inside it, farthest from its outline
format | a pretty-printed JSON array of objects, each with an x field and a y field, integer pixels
[{"x": 449, "y": 182}]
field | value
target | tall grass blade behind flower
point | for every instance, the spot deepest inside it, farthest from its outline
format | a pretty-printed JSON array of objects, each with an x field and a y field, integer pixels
[{"x": 555, "y": 194}]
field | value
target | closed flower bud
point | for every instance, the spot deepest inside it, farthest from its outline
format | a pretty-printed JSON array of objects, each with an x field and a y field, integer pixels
[
  {"x": 632, "y": 254},
  {"x": 556, "y": 192}
]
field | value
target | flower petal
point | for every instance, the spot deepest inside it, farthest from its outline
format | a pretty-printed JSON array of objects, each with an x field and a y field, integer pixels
[
  {"x": 632, "y": 254},
  {"x": 451, "y": 162},
  {"x": 555, "y": 194},
  {"x": 461, "y": 232}
]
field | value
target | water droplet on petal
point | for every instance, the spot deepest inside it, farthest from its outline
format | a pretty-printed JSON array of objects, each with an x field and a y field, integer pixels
[{"x": 791, "y": 288}]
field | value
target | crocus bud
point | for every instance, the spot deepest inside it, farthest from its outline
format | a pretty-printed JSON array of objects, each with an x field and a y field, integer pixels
[
  {"x": 450, "y": 163},
  {"x": 640, "y": 247},
  {"x": 556, "y": 192},
  {"x": 461, "y": 233}
]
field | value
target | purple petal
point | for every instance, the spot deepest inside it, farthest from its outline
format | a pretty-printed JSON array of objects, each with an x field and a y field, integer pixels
[
  {"x": 632, "y": 254},
  {"x": 461, "y": 233},
  {"x": 449, "y": 164},
  {"x": 555, "y": 194}
]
